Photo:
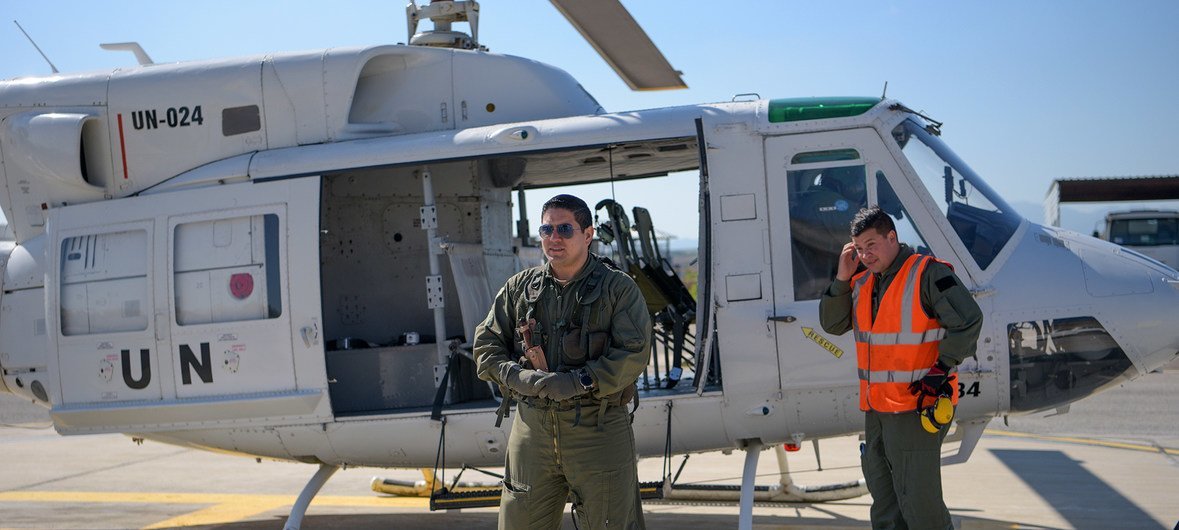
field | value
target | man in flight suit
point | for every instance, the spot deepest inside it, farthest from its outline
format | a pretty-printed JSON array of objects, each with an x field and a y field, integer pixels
[
  {"x": 907, "y": 356},
  {"x": 571, "y": 437}
]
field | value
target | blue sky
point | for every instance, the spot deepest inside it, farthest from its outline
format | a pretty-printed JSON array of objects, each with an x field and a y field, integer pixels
[{"x": 1028, "y": 91}]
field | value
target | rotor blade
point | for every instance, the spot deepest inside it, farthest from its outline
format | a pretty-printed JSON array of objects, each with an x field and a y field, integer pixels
[{"x": 610, "y": 29}]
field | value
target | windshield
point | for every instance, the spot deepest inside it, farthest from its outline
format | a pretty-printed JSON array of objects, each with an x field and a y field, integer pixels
[
  {"x": 982, "y": 219},
  {"x": 1144, "y": 232}
]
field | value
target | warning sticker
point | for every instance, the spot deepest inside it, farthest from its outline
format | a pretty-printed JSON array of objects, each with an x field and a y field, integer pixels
[{"x": 822, "y": 341}]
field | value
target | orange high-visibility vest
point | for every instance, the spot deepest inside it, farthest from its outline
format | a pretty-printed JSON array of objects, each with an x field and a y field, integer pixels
[{"x": 901, "y": 344}]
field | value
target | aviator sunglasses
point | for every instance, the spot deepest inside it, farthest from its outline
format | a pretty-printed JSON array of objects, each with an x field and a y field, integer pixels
[{"x": 565, "y": 230}]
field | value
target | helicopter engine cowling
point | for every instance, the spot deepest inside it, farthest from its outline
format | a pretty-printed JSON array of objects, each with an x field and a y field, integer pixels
[
  {"x": 57, "y": 157},
  {"x": 50, "y": 144}
]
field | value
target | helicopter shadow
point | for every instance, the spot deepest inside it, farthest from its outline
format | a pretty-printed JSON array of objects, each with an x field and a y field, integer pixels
[{"x": 1077, "y": 495}]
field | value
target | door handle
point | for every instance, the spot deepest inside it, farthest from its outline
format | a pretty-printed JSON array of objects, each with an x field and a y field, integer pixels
[
  {"x": 785, "y": 318},
  {"x": 310, "y": 334}
]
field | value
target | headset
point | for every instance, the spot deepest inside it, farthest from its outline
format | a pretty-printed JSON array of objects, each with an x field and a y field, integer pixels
[{"x": 936, "y": 417}]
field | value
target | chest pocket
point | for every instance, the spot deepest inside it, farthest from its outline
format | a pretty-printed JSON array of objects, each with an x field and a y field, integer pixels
[
  {"x": 526, "y": 308},
  {"x": 588, "y": 336}
]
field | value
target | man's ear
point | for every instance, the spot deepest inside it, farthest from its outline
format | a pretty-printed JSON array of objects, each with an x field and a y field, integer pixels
[
  {"x": 892, "y": 236},
  {"x": 589, "y": 235}
]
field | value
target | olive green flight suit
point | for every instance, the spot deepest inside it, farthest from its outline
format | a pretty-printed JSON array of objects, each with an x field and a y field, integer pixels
[
  {"x": 582, "y": 449},
  {"x": 901, "y": 461}
]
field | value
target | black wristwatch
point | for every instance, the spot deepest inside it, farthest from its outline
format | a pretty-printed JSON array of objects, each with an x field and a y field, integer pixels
[{"x": 583, "y": 377}]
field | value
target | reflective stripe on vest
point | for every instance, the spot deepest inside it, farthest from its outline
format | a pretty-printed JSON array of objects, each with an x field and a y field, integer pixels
[
  {"x": 899, "y": 344},
  {"x": 888, "y": 339},
  {"x": 892, "y": 376}
]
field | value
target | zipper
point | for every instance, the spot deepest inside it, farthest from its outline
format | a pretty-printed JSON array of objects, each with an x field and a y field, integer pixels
[{"x": 556, "y": 435}]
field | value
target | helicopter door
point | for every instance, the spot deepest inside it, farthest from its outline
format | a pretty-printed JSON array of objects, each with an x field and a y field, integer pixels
[
  {"x": 816, "y": 184},
  {"x": 183, "y": 301}
]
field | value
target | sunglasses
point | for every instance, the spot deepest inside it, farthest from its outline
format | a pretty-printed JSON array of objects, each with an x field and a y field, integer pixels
[{"x": 565, "y": 230}]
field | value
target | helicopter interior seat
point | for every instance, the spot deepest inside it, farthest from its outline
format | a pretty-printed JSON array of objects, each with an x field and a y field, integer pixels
[
  {"x": 820, "y": 218},
  {"x": 471, "y": 281},
  {"x": 661, "y": 272},
  {"x": 616, "y": 231}
]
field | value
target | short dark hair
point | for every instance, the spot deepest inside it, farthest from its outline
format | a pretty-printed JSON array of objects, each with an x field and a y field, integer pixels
[
  {"x": 872, "y": 217},
  {"x": 581, "y": 211}
]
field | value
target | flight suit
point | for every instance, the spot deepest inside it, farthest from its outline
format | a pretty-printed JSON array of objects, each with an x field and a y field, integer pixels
[
  {"x": 901, "y": 461},
  {"x": 582, "y": 449}
]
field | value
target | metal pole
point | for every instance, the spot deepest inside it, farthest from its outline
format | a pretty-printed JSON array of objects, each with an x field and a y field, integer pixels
[
  {"x": 434, "y": 299},
  {"x": 522, "y": 229}
]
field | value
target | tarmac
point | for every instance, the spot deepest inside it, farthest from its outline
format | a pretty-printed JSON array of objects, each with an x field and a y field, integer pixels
[{"x": 1111, "y": 463}]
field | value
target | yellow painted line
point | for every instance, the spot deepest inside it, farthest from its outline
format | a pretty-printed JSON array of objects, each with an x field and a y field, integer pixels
[
  {"x": 217, "y": 514},
  {"x": 224, "y": 509},
  {"x": 207, "y": 498},
  {"x": 1088, "y": 441}
]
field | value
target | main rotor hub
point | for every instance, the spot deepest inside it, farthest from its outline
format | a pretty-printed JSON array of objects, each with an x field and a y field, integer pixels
[{"x": 443, "y": 13}]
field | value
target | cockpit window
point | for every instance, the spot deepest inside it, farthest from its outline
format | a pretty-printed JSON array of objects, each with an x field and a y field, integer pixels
[
  {"x": 982, "y": 219},
  {"x": 907, "y": 232},
  {"x": 822, "y": 203}
]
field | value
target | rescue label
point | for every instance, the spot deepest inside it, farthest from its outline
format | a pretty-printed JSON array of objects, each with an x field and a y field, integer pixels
[{"x": 822, "y": 341}]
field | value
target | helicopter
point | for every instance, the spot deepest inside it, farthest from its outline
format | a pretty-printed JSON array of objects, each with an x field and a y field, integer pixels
[{"x": 285, "y": 255}]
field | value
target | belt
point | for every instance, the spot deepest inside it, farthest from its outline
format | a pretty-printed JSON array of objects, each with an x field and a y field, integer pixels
[{"x": 548, "y": 404}]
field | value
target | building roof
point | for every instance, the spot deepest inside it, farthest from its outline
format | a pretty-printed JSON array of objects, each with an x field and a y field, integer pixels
[{"x": 1108, "y": 189}]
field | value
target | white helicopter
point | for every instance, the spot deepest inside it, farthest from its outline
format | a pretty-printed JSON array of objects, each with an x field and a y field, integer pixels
[{"x": 285, "y": 256}]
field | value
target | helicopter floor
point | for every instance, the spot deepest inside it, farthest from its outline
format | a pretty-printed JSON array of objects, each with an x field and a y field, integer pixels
[{"x": 685, "y": 387}]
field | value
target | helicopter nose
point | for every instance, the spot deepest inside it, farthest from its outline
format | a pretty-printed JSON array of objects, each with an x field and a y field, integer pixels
[
  {"x": 1148, "y": 318},
  {"x": 1114, "y": 316},
  {"x": 1136, "y": 297}
]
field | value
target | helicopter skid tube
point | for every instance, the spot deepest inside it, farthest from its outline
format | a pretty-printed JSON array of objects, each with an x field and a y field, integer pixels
[
  {"x": 774, "y": 493},
  {"x": 785, "y": 491}
]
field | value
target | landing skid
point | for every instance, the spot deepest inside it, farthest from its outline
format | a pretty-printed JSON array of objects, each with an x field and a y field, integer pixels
[
  {"x": 785, "y": 491},
  {"x": 295, "y": 520},
  {"x": 458, "y": 495}
]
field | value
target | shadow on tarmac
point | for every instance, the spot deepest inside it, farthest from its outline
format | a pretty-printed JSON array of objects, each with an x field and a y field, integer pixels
[
  {"x": 1079, "y": 496},
  {"x": 655, "y": 521}
]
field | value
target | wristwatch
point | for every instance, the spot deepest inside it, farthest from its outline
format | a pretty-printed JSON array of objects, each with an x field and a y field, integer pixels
[{"x": 583, "y": 377}]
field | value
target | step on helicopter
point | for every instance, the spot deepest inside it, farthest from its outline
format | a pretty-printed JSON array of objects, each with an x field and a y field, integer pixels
[{"x": 285, "y": 256}]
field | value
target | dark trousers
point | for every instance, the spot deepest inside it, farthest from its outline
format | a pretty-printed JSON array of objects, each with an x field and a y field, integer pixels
[{"x": 902, "y": 466}]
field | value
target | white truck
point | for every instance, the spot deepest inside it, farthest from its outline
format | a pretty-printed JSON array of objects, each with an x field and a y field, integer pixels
[{"x": 1154, "y": 233}]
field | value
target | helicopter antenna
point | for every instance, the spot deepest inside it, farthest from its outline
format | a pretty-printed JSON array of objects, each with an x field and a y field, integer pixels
[
  {"x": 443, "y": 13},
  {"x": 884, "y": 93},
  {"x": 31, "y": 41}
]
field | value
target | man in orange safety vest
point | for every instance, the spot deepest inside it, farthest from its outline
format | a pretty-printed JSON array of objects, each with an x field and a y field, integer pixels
[{"x": 914, "y": 322}]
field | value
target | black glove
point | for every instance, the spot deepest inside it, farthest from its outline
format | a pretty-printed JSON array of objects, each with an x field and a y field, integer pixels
[
  {"x": 932, "y": 383},
  {"x": 521, "y": 380},
  {"x": 559, "y": 386}
]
